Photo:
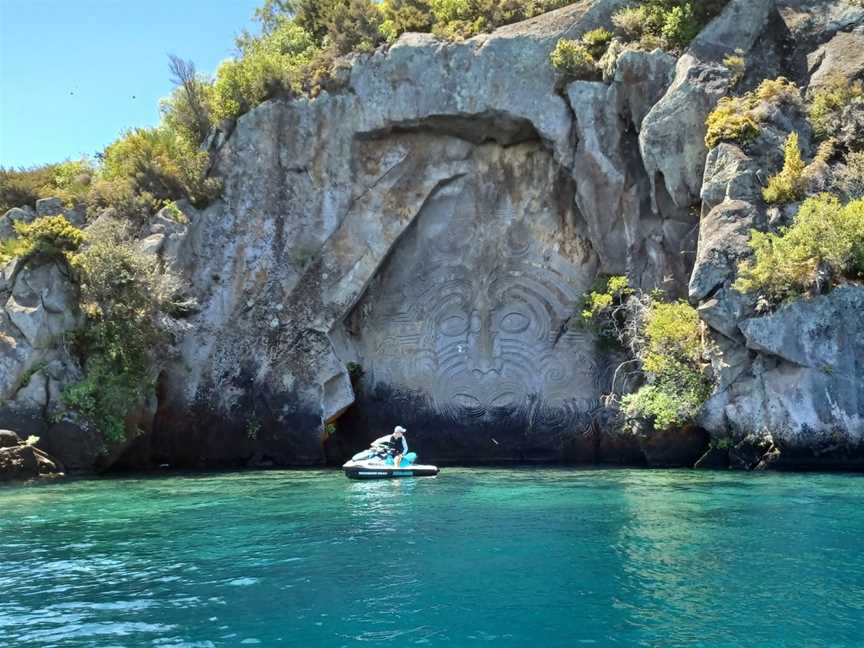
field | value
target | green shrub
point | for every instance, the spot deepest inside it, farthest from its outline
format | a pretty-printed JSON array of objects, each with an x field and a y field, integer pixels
[
  {"x": 579, "y": 59},
  {"x": 736, "y": 64},
  {"x": 826, "y": 237},
  {"x": 779, "y": 91},
  {"x": 187, "y": 112},
  {"x": 456, "y": 19},
  {"x": 672, "y": 329},
  {"x": 596, "y": 41},
  {"x": 672, "y": 362},
  {"x": 789, "y": 184},
  {"x": 672, "y": 401},
  {"x": 827, "y": 104},
  {"x": 664, "y": 339},
  {"x": 731, "y": 121},
  {"x": 602, "y": 309},
  {"x": 670, "y": 24},
  {"x": 122, "y": 198},
  {"x": 402, "y": 16},
  {"x": 354, "y": 26},
  {"x": 12, "y": 249},
  {"x": 160, "y": 163},
  {"x": 848, "y": 178},
  {"x": 108, "y": 392},
  {"x": 23, "y": 186},
  {"x": 68, "y": 180},
  {"x": 635, "y": 22},
  {"x": 47, "y": 237},
  {"x": 735, "y": 119},
  {"x": 50, "y": 236},
  {"x": 573, "y": 59},
  {"x": 680, "y": 26},
  {"x": 71, "y": 181},
  {"x": 312, "y": 16},
  {"x": 355, "y": 371},
  {"x": 122, "y": 290},
  {"x": 175, "y": 213},
  {"x": 272, "y": 63}
]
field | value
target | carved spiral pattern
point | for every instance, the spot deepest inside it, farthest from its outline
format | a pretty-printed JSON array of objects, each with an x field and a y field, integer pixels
[{"x": 473, "y": 320}]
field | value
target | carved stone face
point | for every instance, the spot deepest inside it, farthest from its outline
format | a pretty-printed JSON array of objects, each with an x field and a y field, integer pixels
[{"x": 472, "y": 313}]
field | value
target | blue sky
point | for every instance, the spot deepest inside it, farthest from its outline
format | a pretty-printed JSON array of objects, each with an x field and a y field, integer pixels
[{"x": 75, "y": 74}]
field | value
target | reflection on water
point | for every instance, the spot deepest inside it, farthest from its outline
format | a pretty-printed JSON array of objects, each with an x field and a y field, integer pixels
[{"x": 507, "y": 557}]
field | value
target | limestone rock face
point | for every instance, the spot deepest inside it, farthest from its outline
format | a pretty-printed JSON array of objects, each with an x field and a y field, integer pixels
[
  {"x": 723, "y": 237},
  {"x": 806, "y": 387},
  {"x": 841, "y": 58},
  {"x": 40, "y": 307},
  {"x": 42, "y": 304},
  {"x": 465, "y": 328},
  {"x": 673, "y": 132},
  {"x": 414, "y": 247},
  {"x": 49, "y": 207},
  {"x": 14, "y": 215},
  {"x": 439, "y": 235}
]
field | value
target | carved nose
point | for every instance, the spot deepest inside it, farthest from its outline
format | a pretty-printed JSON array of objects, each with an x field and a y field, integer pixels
[{"x": 482, "y": 344}]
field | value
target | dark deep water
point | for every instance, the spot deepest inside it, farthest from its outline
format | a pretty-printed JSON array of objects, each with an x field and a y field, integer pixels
[{"x": 515, "y": 557}]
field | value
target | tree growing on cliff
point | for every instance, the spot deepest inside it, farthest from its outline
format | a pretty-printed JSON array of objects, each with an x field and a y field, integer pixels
[
  {"x": 187, "y": 111},
  {"x": 122, "y": 293},
  {"x": 664, "y": 343}
]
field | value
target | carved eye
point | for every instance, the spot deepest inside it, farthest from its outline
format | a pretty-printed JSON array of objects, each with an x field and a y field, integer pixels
[
  {"x": 467, "y": 401},
  {"x": 514, "y": 323},
  {"x": 507, "y": 399},
  {"x": 454, "y": 325}
]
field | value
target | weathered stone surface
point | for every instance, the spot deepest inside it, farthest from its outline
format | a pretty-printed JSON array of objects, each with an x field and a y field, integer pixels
[
  {"x": 463, "y": 194},
  {"x": 79, "y": 447},
  {"x": 49, "y": 207},
  {"x": 14, "y": 215},
  {"x": 673, "y": 132},
  {"x": 43, "y": 304},
  {"x": 805, "y": 386},
  {"x": 723, "y": 238},
  {"x": 641, "y": 79},
  {"x": 730, "y": 174},
  {"x": 754, "y": 452},
  {"x": 484, "y": 348},
  {"x": 435, "y": 219},
  {"x": 725, "y": 310},
  {"x": 817, "y": 21},
  {"x": 841, "y": 58},
  {"x": 611, "y": 184}
]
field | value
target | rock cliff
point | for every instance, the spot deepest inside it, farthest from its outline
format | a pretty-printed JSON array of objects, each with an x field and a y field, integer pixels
[{"x": 413, "y": 247}]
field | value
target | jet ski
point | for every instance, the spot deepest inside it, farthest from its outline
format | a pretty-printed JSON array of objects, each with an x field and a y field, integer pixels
[{"x": 375, "y": 463}]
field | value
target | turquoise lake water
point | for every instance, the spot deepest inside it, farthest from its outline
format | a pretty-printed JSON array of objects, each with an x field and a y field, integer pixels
[{"x": 525, "y": 557}]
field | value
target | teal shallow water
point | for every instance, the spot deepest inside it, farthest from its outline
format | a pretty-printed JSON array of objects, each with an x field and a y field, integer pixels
[{"x": 527, "y": 557}]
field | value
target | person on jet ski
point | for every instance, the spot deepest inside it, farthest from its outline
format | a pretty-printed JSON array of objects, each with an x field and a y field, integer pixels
[{"x": 397, "y": 446}]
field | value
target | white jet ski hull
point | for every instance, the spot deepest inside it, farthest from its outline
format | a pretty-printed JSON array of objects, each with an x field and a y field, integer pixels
[{"x": 377, "y": 470}]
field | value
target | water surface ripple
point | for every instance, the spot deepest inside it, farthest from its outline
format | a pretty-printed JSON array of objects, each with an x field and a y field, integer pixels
[{"x": 524, "y": 557}]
